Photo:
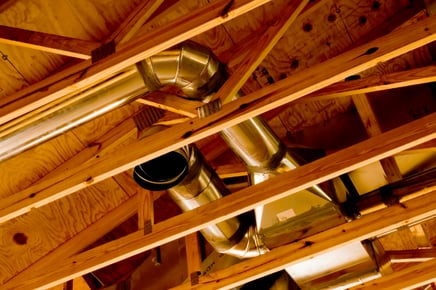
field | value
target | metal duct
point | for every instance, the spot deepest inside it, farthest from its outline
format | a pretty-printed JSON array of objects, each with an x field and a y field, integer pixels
[
  {"x": 191, "y": 183},
  {"x": 198, "y": 73},
  {"x": 72, "y": 110}
]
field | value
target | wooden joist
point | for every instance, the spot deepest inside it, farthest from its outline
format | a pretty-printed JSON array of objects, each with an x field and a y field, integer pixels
[
  {"x": 172, "y": 103},
  {"x": 408, "y": 278},
  {"x": 416, "y": 255},
  {"x": 373, "y": 128},
  {"x": 356, "y": 156},
  {"x": 377, "y": 83},
  {"x": 85, "y": 73},
  {"x": 257, "y": 53},
  {"x": 134, "y": 21},
  {"x": 193, "y": 257},
  {"x": 52, "y": 43},
  {"x": 251, "y": 105}
]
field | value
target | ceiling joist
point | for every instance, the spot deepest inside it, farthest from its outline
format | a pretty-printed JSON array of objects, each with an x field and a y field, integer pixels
[{"x": 52, "y": 43}]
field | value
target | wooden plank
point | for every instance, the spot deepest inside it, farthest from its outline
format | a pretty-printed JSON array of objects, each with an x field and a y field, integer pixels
[
  {"x": 172, "y": 103},
  {"x": 416, "y": 255},
  {"x": 135, "y": 20},
  {"x": 193, "y": 257},
  {"x": 408, "y": 278},
  {"x": 247, "y": 199},
  {"x": 47, "y": 42},
  {"x": 232, "y": 113},
  {"x": 263, "y": 46},
  {"x": 83, "y": 239},
  {"x": 377, "y": 83},
  {"x": 145, "y": 211},
  {"x": 373, "y": 128},
  {"x": 133, "y": 51}
]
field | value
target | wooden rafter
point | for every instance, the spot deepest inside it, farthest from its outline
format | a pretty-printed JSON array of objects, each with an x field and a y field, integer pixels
[
  {"x": 257, "y": 53},
  {"x": 134, "y": 21},
  {"x": 373, "y": 128},
  {"x": 244, "y": 200},
  {"x": 416, "y": 255},
  {"x": 52, "y": 43},
  {"x": 407, "y": 278},
  {"x": 232, "y": 113},
  {"x": 377, "y": 83}
]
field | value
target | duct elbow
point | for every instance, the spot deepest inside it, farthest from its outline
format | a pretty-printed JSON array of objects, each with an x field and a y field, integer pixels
[
  {"x": 191, "y": 183},
  {"x": 193, "y": 68}
]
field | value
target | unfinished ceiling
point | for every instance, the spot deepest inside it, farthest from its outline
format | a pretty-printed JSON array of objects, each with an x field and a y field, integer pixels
[{"x": 345, "y": 85}]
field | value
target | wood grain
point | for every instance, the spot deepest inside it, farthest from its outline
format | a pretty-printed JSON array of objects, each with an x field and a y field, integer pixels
[
  {"x": 232, "y": 113},
  {"x": 53, "y": 225},
  {"x": 52, "y": 43},
  {"x": 84, "y": 238},
  {"x": 305, "y": 176},
  {"x": 407, "y": 278}
]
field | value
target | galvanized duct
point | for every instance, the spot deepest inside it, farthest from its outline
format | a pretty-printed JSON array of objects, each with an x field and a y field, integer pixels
[
  {"x": 198, "y": 73},
  {"x": 191, "y": 183},
  {"x": 70, "y": 111}
]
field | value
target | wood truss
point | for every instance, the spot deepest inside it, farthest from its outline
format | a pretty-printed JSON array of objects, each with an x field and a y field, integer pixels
[{"x": 322, "y": 81}]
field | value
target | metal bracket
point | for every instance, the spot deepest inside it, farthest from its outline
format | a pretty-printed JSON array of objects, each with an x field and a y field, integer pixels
[
  {"x": 148, "y": 227},
  {"x": 103, "y": 51},
  {"x": 195, "y": 278}
]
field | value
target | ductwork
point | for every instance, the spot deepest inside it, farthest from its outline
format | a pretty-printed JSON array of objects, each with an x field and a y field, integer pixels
[
  {"x": 191, "y": 183},
  {"x": 197, "y": 72},
  {"x": 70, "y": 111}
]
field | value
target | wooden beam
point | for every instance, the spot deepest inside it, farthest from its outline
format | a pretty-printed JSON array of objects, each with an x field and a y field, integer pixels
[
  {"x": 47, "y": 42},
  {"x": 145, "y": 211},
  {"x": 193, "y": 257},
  {"x": 373, "y": 128},
  {"x": 85, "y": 73},
  {"x": 251, "y": 105},
  {"x": 407, "y": 278},
  {"x": 377, "y": 83},
  {"x": 172, "y": 103},
  {"x": 406, "y": 256},
  {"x": 271, "y": 190},
  {"x": 258, "y": 52},
  {"x": 135, "y": 20}
]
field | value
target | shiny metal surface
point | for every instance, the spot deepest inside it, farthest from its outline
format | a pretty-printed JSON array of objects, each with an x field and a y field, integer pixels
[
  {"x": 262, "y": 151},
  {"x": 189, "y": 66},
  {"x": 56, "y": 118},
  {"x": 255, "y": 143},
  {"x": 201, "y": 185}
]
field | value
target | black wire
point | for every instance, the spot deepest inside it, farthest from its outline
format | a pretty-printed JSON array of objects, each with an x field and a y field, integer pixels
[{"x": 6, "y": 58}]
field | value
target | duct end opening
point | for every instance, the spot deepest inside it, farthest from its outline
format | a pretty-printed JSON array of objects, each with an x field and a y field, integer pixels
[{"x": 162, "y": 172}]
